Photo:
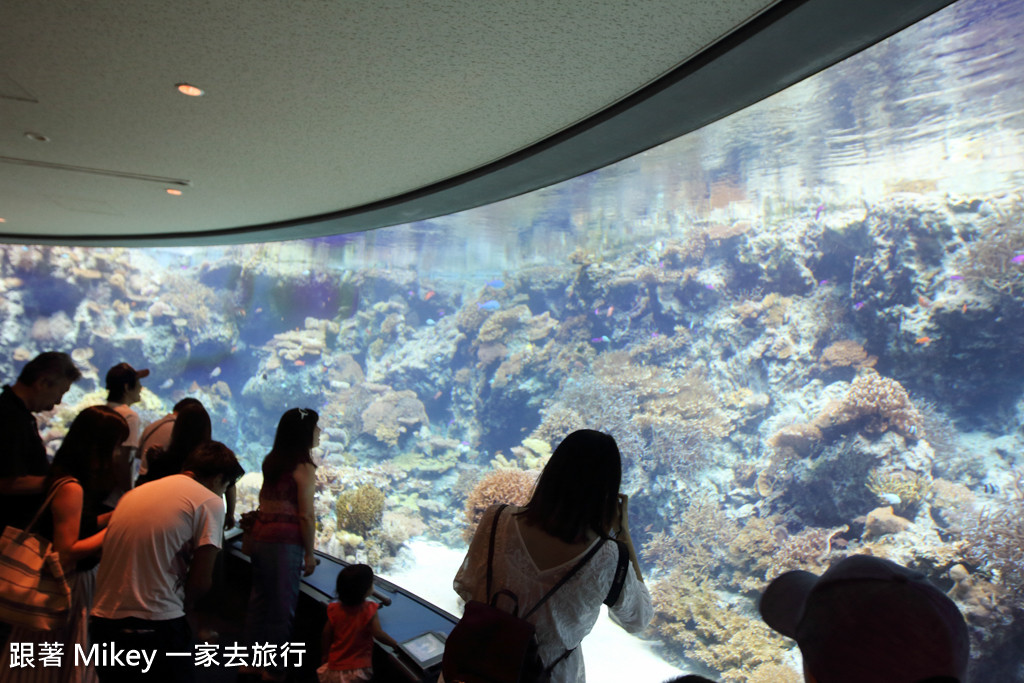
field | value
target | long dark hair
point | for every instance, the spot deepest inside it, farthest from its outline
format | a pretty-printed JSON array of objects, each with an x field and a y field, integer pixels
[
  {"x": 578, "y": 489},
  {"x": 191, "y": 429},
  {"x": 292, "y": 443},
  {"x": 87, "y": 452}
]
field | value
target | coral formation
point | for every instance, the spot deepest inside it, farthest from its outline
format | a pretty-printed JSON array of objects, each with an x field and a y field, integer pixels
[
  {"x": 392, "y": 414},
  {"x": 360, "y": 511},
  {"x": 874, "y": 404},
  {"x": 730, "y": 357},
  {"x": 845, "y": 354},
  {"x": 510, "y": 486}
]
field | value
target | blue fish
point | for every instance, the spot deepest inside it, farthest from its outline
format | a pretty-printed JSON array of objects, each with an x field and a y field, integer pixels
[
  {"x": 496, "y": 284},
  {"x": 491, "y": 305}
]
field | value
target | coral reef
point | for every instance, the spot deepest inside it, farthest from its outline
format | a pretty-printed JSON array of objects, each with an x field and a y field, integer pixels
[
  {"x": 392, "y": 414},
  {"x": 510, "y": 486},
  {"x": 360, "y": 511},
  {"x": 724, "y": 636},
  {"x": 874, "y": 404},
  {"x": 753, "y": 370}
]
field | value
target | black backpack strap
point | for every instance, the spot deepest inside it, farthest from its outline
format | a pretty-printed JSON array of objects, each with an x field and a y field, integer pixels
[
  {"x": 490, "y": 553},
  {"x": 620, "y": 575},
  {"x": 569, "y": 575},
  {"x": 548, "y": 669}
]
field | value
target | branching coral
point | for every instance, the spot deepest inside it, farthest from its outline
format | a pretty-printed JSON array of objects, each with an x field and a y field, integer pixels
[
  {"x": 845, "y": 354},
  {"x": 722, "y": 636},
  {"x": 990, "y": 258},
  {"x": 875, "y": 404},
  {"x": 359, "y": 511},
  {"x": 808, "y": 550},
  {"x": 994, "y": 540},
  {"x": 501, "y": 486}
]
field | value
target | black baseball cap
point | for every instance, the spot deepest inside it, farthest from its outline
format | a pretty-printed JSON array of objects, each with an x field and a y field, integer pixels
[{"x": 122, "y": 374}]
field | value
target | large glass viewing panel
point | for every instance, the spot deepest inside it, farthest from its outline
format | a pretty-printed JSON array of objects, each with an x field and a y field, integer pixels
[{"x": 802, "y": 324}]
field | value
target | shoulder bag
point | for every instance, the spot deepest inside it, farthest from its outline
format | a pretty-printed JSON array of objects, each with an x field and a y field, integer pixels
[{"x": 33, "y": 590}]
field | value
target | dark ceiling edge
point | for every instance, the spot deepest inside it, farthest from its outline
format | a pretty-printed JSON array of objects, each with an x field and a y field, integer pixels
[{"x": 787, "y": 43}]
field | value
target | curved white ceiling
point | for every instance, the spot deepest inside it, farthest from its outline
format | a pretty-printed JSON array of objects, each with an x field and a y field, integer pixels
[{"x": 314, "y": 107}]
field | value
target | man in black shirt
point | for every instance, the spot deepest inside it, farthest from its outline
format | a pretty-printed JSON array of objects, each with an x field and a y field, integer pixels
[{"x": 23, "y": 463}]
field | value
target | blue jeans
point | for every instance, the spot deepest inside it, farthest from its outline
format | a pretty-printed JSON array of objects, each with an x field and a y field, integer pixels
[{"x": 276, "y": 571}]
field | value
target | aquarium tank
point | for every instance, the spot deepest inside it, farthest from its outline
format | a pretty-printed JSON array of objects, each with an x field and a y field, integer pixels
[{"x": 803, "y": 324}]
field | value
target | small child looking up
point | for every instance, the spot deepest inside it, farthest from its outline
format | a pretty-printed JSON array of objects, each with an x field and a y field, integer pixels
[{"x": 352, "y": 625}]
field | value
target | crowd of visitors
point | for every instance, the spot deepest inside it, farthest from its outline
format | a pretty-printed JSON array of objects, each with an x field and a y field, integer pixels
[{"x": 137, "y": 516}]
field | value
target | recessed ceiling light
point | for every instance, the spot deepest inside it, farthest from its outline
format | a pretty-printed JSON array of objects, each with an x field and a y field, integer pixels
[
  {"x": 3, "y": 220},
  {"x": 36, "y": 137},
  {"x": 172, "y": 191},
  {"x": 190, "y": 90}
]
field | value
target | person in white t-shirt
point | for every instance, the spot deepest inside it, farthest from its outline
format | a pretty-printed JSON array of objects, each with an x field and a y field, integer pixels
[
  {"x": 158, "y": 559},
  {"x": 123, "y": 389}
]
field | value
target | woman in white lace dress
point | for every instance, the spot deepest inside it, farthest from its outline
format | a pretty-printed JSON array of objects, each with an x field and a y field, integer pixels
[{"x": 575, "y": 505}]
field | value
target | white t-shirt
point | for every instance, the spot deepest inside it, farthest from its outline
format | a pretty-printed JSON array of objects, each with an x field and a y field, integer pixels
[
  {"x": 153, "y": 532},
  {"x": 570, "y": 614},
  {"x": 156, "y": 434},
  {"x": 132, "y": 418}
]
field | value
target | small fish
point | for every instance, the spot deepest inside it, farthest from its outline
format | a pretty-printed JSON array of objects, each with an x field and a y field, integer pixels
[
  {"x": 496, "y": 284},
  {"x": 429, "y": 295},
  {"x": 215, "y": 372},
  {"x": 964, "y": 309},
  {"x": 709, "y": 286},
  {"x": 597, "y": 311},
  {"x": 956, "y": 278},
  {"x": 990, "y": 488},
  {"x": 167, "y": 383},
  {"x": 605, "y": 338},
  {"x": 224, "y": 420},
  {"x": 859, "y": 305},
  {"x": 1019, "y": 258},
  {"x": 924, "y": 301},
  {"x": 491, "y": 305},
  {"x": 923, "y": 340},
  {"x": 431, "y": 322},
  {"x": 823, "y": 283},
  {"x": 890, "y": 498},
  {"x": 819, "y": 211},
  {"x": 611, "y": 309},
  {"x": 438, "y": 394},
  {"x": 412, "y": 293},
  {"x": 258, "y": 310},
  {"x": 300, "y": 363}
]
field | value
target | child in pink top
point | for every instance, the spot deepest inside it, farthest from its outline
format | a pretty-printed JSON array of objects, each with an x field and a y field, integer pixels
[{"x": 352, "y": 625}]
